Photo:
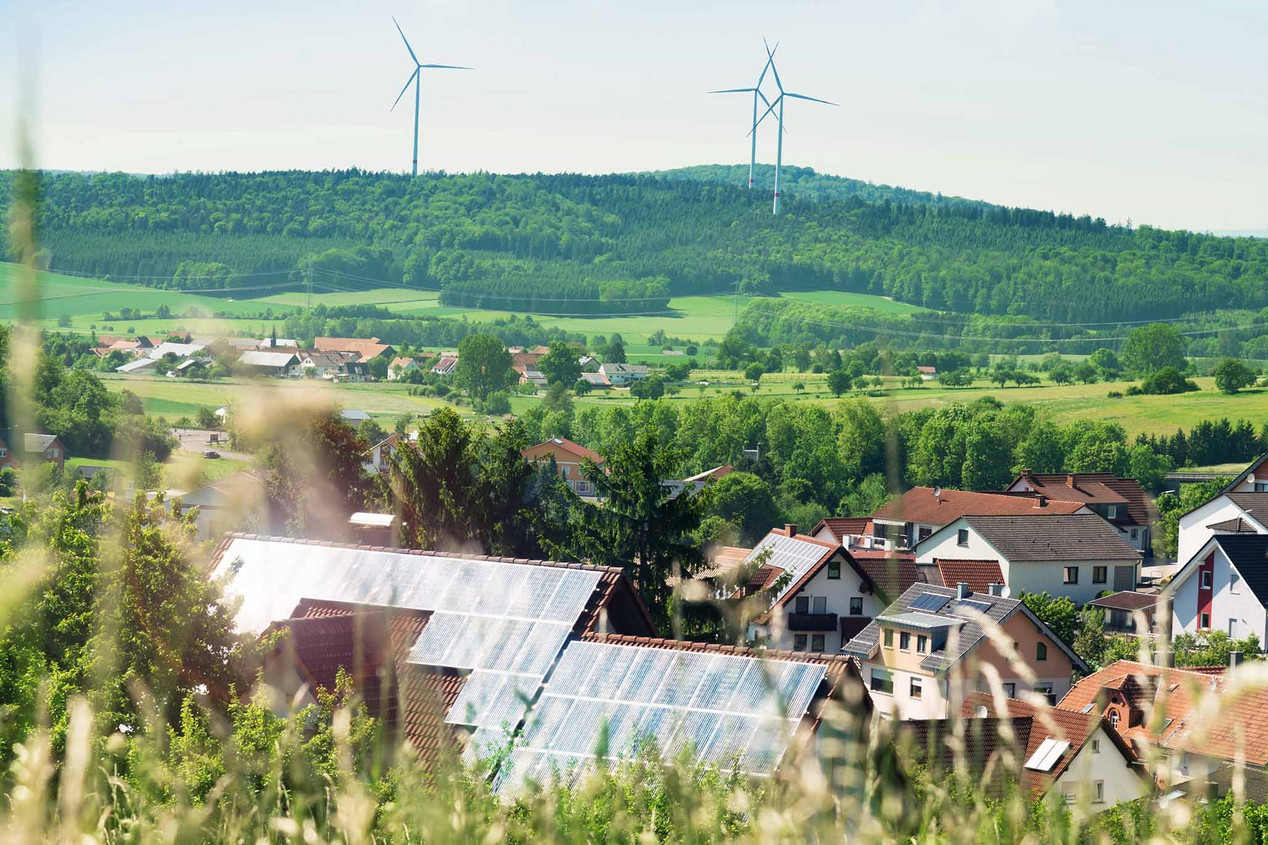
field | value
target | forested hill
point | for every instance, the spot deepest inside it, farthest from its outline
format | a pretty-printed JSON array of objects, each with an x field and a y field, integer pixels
[
  {"x": 624, "y": 243},
  {"x": 808, "y": 184}
]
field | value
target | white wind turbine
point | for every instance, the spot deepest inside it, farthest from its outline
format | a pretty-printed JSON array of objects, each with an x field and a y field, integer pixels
[{"x": 416, "y": 79}]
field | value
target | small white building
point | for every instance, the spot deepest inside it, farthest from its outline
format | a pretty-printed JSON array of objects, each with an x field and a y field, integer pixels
[
  {"x": 1223, "y": 587},
  {"x": 1074, "y": 555},
  {"x": 620, "y": 375},
  {"x": 1231, "y": 512}
]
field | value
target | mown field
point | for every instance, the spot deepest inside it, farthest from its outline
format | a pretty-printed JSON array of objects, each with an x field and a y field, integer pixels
[{"x": 84, "y": 302}]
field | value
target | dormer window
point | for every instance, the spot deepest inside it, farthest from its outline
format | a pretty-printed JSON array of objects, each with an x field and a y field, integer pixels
[{"x": 962, "y": 537}]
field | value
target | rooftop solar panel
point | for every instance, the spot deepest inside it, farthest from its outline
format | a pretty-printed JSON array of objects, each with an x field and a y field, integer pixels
[{"x": 932, "y": 602}]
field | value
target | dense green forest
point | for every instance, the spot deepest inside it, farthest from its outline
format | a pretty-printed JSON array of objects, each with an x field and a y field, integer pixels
[{"x": 624, "y": 242}]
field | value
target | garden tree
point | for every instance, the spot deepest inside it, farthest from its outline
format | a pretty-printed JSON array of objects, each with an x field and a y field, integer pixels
[
  {"x": 1148, "y": 467},
  {"x": 801, "y": 358},
  {"x": 801, "y": 446},
  {"x": 167, "y": 634},
  {"x": 371, "y": 432},
  {"x": 955, "y": 378},
  {"x": 1167, "y": 381},
  {"x": 614, "y": 353},
  {"x": 581, "y": 387},
  {"x": 560, "y": 365},
  {"x": 1231, "y": 375},
  {"x": 1151, "y": 348},
  {"x": 744, "y": 500},
  {"x": 1042, "y": 449},
  {"x": 557, "y": 400},
  {"x": 640, "y": 528},
  {"x": 838, "y": 382},
  {"x": 1062, "y": 373},
  {"x": 1106, "y": 363},
  {"x": 483, "y": 366},
  {"x": 754, "y": 372},
  {"x": 983, "y": 469},
  {"x": 1086, "y": 372},
  {"x": 866, "y": 497},
  {"x": 1097, "y": 447},
  {"x": 1089, "y": 639},
  {"x": 318, "y": 476},
  {"x": 650, "y": 387},
  {"x": 378, "y": 367},
  {"x": 774, "y": 361},
  {"x": 1059, "y": 614},
  {"x": 678, "y": 372}
]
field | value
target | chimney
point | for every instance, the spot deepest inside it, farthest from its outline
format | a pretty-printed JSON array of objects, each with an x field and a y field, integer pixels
[
  {"x": 1234, "y": 659},
  {"x": 1070, "y": 482},
  {"x": 1041, "y": 501},
  {"x": 962, "y": 590},
  {"x": 996, "y": 589},
  {"x": 791, "y": 529}
]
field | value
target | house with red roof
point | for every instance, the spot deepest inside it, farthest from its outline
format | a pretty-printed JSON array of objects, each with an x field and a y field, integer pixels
[
  {"x": 1055, "y": 755},
  {"x": 915, "y": 515},
  {"x": 1195, "y": 726},
  {"x": 1120, "y": 501},
  {"x": 569, "y": 459}
]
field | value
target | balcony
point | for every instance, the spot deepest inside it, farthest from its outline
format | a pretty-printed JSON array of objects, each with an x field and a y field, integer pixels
[{"x": 812, "y": 621}]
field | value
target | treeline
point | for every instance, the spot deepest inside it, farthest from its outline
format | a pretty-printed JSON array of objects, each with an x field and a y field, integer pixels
[
  {"x": 701, "y": 236},
  {"x": 543, "y": 296},
  {"x": 370, "y": 321}
]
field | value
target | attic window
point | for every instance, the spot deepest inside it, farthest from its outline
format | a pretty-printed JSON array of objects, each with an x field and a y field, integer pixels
[
  {"x": 962, "y": 537},
  {"x": 834, "y": 570}
]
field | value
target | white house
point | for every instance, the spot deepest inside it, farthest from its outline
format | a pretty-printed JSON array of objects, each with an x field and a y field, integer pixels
[
  {"x": 1074, "y": 555},
  {"x": 823, "y": 595},
  {"x": 1231, "y": 512},
  {"x": 1223, "y": 587},
  {"x": 623, "y": 374}
]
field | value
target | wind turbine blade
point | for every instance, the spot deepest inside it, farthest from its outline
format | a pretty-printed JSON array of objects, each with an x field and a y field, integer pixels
[
  {"x": 765, "y": 114},
  {"x": 775, "y": 70},
  {"x": 734, "y": 91},
  {"x": 811, "y": 99},
  {"x": 408, "y": 82},
  {"x": 445, "y": 67},
  {"x": 406, "y": 40}
]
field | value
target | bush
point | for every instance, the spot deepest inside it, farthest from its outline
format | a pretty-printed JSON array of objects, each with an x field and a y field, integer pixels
[
  {"x": 1231, "y": 375},
  {"x": 1166, "y": 382},
  {"x": 1115, "y": 394}
]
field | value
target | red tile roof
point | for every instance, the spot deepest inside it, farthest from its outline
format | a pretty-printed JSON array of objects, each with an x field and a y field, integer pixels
[
  {"x": 562, "y": 444},
  {"x": 919, "y": 504},
  {"x": 1093, "y": 488},
  {"x": 366, "y": 349},
  {"x": 841, "y": 526},
  {"x": 978, "y": 574},
  {"x": 892, "y": 573}
]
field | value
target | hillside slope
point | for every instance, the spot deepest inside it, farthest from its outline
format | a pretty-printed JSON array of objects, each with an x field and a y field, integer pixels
[{"x": 624, "y": 243}]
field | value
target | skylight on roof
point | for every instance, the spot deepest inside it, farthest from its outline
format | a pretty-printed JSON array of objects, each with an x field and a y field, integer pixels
[
  {"x": 980, "y": 606},
  {"x": 1047, "y": 755}
]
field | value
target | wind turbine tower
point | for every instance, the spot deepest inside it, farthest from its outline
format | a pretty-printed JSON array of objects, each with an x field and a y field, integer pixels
[
  {"x": 416, "y": 79},
  {"x": 773, "y": 106}
]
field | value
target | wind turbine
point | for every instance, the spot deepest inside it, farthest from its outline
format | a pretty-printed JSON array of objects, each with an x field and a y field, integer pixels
[
  {"x": 416, "y": 78},
  {"x": 779, "y": 101},
  {"x": 756, "y": 91}
]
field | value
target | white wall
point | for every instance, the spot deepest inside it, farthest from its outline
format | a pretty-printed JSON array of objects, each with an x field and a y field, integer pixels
[
  {"x": 945, "y": 546},
  {"x": 838, "y": 593},
  {"x": 1238, "y": 605},
  {"x": 1193, "y": 530},
  {"x": 1122, "y": 783},
  {"x": 932, "y": 703}
]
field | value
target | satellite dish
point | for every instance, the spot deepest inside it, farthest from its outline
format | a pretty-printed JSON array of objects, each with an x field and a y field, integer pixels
[
  {"x": 1250, "y": 478},
  {"x": 981, "y": 711},
  {"x": 1005, "y": 592},
  {"x": 937, "y": 491}
]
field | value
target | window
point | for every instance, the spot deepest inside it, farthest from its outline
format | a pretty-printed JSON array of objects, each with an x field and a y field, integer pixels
[
  {"x": 834, "y": 570},
  {"x": 1111, "y": 511},
  {"x": 917, "y": 687},
  {"x": 1096, "y": 746},
  {"x": 922, "y": 644},
  {"x": 1204, "y": 621},
  {"x": 1113, "y": 717},
  {"x": 1098, "y": 792},
  {"x": 1010, "y": 689},
  {"x": 1261, "y": 486},
  {"x": 904, "y": 641},
  {"x": 962, "y": 537},
  {"x": 882, "y": 682},
  {"x": 802, "y": 605},
  {"x": 817, "y": 642},
  {"x": 1206, "y": 579},
  {"x": 889, "y": 638},
  {"x": 856, "y": 605},
  {"x": 925, "y": 533},
  {"x": 54, "y": 452},
  {"x": 819, "y": 604},
  {"x": 3, "y": 451},
  {"x": 1041, "y": 651},
  {"x": 1100, "y": 574},
  {"x": 1234, "y": 581},
  {"x": 1135, "y": 532},
  {"x": 1071, "y": 575},
  {"x": 799, "y": 642}
]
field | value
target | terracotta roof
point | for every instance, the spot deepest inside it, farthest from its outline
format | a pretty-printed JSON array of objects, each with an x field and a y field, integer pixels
[
  {"x": 367, "y": 349},
  {"x": 1094, "y": 488},
  {"x": 891, "y": 573},
  {"x": 842, "y": 526},
  {"x": 919, "y": 504},
  {"x": 563, "y": 444},
  {"x": 978, "y": 574},
  {"x": 1127, "y": 600},
  {"x": 1053, "y": 537},
  {"x": 1193, "y": 710}
]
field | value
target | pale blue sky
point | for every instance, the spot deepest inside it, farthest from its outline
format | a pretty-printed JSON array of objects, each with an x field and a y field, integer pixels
[{"x": 1157, "y": 111}]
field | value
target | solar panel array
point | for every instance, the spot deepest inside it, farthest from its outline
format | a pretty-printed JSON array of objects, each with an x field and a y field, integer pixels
[
  {"x": 731, "y": 710},
  {"x": 794, "y": 555},
  {"x": 506, "y": 622},
  {"x": 932, "y": 602},
  {"x": 1047, "y": 755}
]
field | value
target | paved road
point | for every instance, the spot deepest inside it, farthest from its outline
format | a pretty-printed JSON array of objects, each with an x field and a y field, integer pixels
[{"x": 198, "y": 440}]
